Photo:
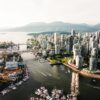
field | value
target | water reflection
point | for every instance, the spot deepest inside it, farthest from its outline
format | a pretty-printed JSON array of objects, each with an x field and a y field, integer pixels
[
  {"x": 16, "y": 37},
  {"x": 62, "y": 67},
  {"x": 55, "y": 71}
]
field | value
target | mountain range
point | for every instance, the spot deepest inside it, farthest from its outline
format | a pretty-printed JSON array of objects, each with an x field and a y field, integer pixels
[{"x": 54, "y": 26}]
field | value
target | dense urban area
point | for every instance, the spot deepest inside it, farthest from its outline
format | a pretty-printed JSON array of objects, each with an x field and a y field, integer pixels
[{"x": 47, "y": 63}]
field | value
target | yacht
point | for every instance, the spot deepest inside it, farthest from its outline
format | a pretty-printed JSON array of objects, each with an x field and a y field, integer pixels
[
  {"x": 12, "y": 86},
  {"x": 19, "y": 83},
  {"x": 5, "y": 91},
  {"x": 25, "y": 78}
]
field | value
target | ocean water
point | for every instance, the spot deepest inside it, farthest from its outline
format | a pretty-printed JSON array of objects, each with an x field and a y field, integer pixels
[{"x": 16, "y": 37}]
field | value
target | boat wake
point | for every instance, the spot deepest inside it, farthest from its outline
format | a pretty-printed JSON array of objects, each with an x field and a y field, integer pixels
[{"x": 96, "y": 87}]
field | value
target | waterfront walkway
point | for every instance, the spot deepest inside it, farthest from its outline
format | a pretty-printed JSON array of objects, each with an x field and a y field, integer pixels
[{"x": 81, "y": 72}]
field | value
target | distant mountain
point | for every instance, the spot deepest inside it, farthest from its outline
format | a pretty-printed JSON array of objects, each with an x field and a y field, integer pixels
[
  {"x": 54, "y": 26},
  {"x": 97, "y": 26}
]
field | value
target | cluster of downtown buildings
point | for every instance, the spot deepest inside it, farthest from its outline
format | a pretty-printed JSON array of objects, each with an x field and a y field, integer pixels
[{"x": 85, "y": 47}]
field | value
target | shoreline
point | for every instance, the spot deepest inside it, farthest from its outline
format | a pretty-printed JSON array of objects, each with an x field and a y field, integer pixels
[{"x": 82, "y": 72}]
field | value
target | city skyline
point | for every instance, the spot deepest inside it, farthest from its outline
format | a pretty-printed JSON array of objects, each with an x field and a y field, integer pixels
[{"x": 20, "y": 12}]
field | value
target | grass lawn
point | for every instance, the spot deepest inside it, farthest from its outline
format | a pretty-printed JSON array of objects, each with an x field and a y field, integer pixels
[{"x": 59, "y": 60}]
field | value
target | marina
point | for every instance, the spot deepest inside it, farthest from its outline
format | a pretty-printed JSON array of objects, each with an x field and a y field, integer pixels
[{"x": 13, "y": 71}]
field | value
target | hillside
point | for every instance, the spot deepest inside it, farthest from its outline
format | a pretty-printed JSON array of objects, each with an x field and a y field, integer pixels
[{"x": 54, "y": 26}]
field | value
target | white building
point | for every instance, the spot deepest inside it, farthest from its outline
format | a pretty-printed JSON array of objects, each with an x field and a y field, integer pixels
[
  {"x": 93, "y": 59},
  {"x": 76, "y": 50},
  {"x": 57, "y": 47},
  {"x": 73, "y": 32},
  {"x": 79, "y": 61}
]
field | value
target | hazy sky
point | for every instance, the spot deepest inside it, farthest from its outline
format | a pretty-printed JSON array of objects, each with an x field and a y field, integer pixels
[{"x": 21, "y": 12}]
